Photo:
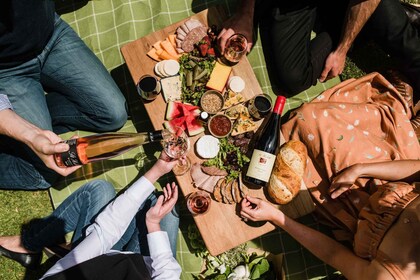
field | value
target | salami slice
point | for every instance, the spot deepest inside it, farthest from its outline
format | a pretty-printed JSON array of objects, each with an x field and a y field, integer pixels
[{"x": 193, "y": 37}]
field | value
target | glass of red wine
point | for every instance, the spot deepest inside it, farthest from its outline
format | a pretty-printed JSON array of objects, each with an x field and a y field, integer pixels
[
  {"x": 148, "y": 87},
  {"x": 176, "y": 144},
  {"x": 198, "y": 202}
]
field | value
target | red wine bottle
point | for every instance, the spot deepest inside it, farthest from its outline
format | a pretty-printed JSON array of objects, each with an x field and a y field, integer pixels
[
  {"x": 266, "y": 148},
  {"x": 103, "y": 146}
]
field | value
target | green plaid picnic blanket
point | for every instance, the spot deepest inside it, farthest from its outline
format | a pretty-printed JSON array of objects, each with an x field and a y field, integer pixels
[{"x": 105, "y": 26}]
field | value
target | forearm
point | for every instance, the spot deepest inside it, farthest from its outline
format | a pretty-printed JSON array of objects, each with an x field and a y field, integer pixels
[
  {"x": 16, "y": 127},
  {"x": 325, "y": 248},
  {"x": 397, "y": 170},
  {"x": 356, "y": 17}
]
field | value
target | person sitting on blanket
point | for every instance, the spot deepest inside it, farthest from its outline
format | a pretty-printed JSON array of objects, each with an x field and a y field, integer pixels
[
  {"x": 44, "y": 143},
  {"x": 54, "y": 81},
  {"x": 363, "y": 162},
  {"x": 300, "y": 60},
  {"x": 122, "y": 225}
]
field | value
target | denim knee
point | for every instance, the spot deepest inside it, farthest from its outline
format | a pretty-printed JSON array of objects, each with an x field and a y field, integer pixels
[
  {"x": 117, "y": 116},
  {"x": 100, "y": 191}
]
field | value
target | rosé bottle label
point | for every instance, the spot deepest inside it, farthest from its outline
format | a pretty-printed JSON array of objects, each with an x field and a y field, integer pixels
[
  {"x": 261, "y": 165},
  {"x": 70, "y": 157}
]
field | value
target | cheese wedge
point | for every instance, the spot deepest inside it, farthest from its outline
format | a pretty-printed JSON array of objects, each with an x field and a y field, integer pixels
[
  {"x": 219, "y": 77},
  {"x": 153, "y": 55},
  {"x": 167, "y": 46},
  {"x": 172, "y": 39},
  {"x": 162, "y": 54}
]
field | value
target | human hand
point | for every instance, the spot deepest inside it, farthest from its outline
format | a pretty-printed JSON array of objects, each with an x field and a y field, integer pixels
[
  {"x": 256, "y": 209},
  {"x": 238, "y": 23},
  {"x": 334, "y": 66},
  {"x": 165, "y": 203},
  {"x": 344, "y": 180},
  {"x": 45, "y": 144},
  {"x": 163, "y": 165}
]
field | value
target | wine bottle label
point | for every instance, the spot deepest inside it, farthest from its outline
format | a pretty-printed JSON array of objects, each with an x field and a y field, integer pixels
[
  {"x": 70, "y": 157},
  {"x": 261, "y": 165}
]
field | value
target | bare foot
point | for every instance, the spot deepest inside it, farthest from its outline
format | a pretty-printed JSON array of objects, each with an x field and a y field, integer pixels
[{"x": 13, "y": 243}]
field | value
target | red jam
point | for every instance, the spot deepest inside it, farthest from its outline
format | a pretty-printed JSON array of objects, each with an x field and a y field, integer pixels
[{"x": 220, "y": 125}]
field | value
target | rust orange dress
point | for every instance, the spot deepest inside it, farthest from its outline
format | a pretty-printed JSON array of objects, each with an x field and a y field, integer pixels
[{"x": 358, "y": 121}]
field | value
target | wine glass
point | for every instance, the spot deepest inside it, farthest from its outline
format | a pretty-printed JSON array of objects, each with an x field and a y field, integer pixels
[{"x": 176, "y": 144}]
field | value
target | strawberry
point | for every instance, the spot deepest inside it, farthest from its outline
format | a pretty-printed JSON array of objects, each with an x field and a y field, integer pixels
[
  {"x": 211, "y": 51},
  {"x": 203, "y": 49}
]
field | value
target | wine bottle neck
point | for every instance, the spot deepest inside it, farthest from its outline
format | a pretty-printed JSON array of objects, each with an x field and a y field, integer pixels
[
  {"x": 155, "y": 136},
  {"x": 279, "y": 105}
]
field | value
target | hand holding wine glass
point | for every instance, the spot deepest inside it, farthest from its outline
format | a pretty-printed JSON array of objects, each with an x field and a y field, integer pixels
[{"x": 176, "y": 145}]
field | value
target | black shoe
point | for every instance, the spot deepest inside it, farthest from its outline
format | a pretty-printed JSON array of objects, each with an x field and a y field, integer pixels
[{"x": 28, "y": 260}]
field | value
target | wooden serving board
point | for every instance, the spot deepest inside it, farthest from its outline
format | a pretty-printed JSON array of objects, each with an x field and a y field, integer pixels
[{"x": 221, "y": 227}]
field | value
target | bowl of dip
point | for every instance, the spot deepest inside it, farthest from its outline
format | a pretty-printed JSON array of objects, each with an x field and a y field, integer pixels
[
  {"x": 212, "y": 102},
  {"x": 220, "y": 125}
]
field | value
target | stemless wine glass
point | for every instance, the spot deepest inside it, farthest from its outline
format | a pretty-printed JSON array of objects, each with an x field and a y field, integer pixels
[
  {"x": 176, "y": 144},
  {"x": 235, "y": 49}
]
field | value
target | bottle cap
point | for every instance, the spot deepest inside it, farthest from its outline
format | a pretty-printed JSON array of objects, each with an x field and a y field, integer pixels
[
  {"x": 279, "y": 105},
  {"x": 204, "y": 116}
]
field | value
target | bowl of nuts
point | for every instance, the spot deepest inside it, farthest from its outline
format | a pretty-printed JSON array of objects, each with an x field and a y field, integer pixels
[{"x": 212, "y": 101}]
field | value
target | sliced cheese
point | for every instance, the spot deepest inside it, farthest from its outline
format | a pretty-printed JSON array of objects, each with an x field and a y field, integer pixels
[
  {"x": 167, "y": 46},
  {"x": 165, "y": 55},
  {"x": 153, "y": 55},
  {"x": 219, "y": 77},
  {"x": 157, "y": 45},
  {"x": 172, "y": 39}
]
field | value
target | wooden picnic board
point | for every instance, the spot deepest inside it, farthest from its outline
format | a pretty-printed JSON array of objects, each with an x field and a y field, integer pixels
[{"x": 221, "y": 227}]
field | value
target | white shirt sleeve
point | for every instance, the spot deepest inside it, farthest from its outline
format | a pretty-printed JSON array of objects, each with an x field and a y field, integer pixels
[
  {"x": 161, "y": 263},
  {"x": 108, "y": 228},
  {"x": 4, "y": 102}
]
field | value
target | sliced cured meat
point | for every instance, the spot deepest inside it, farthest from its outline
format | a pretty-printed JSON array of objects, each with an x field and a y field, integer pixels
[
  {"x": 217, "y": 192},
  {"x": 178, "y": 43},
  {"x": 180, "y": 31},
  {"x": 193, "y": 23},
  {"x": 193, "y": 37},
  {"x": 236, "y": 193},
  {"x": 214, "y": 171},
  {"x": 184, "y": 28},
  {"x": 197, "y": 175},
  {"x": 210, "y": 183},
  {"x": 181, "y": 37}
]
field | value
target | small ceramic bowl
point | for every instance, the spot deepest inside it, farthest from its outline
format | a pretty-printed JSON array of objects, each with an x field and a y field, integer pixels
[
  {"x": 212, "y": 102},
  {"x": 220, "y": 125}
]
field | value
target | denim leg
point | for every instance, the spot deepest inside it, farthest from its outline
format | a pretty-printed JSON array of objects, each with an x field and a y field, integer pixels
[
  {"x": 135, "y": 238},
  {"x": 81, "y": 92},
  {"x": 74, "y": 214},
  {"x": 19, "y": 166}
]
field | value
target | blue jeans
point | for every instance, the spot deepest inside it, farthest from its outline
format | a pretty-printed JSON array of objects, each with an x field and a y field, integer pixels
[
  {"x": 81, "y": 94},
  {"x": 80, "y": 209}
]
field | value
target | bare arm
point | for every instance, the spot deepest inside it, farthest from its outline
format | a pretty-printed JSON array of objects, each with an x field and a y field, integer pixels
[
  {"x": 358, "y": 13},
  {"x": 319, "y": 244},
  {"x": 43, "y": 142},
  {"x": 241, "y": 22},
  {"x": 396, "y": 170}
]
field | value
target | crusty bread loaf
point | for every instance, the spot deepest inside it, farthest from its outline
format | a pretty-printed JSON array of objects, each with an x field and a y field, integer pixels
[{"x": 288, "y": 171}]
